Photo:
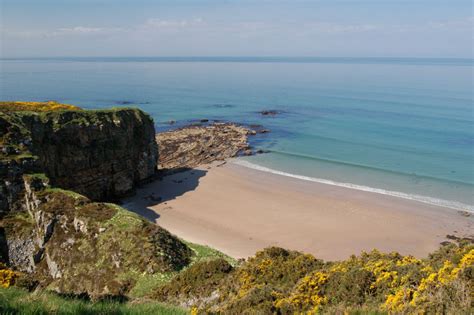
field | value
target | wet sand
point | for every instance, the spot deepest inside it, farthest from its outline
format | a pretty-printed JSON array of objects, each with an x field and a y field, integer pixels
[{"x": 239, "y": 211}]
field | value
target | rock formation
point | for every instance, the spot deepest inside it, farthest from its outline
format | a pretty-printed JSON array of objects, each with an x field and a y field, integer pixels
[
  {"x": 100, "y": 154},
  {"x": 197, "y": 145},
  {"x": 60, "y": 238}
]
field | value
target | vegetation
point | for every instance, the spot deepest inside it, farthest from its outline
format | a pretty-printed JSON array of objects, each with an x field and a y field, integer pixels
[
  {"x": 20, "y": 301},
  {"x": 287, "y": 282},
  {"x": 102, "y": 251},
  {"x": 35, "y": 106},
  {"x": 7, "y": 276}
]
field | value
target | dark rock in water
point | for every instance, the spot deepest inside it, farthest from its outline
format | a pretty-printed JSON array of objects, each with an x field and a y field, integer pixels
[
  {"x": 124, "y": 102},
  {"x": 171, "y": 122},
  {"x": 271, "y": 112},
  {"x": 263, "y": 131},
  {"x": 260, "y": 151},
  {"x": 204, "y": 120}
]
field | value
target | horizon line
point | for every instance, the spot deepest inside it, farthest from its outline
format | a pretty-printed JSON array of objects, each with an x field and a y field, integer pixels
[{"x": 445, "y": 61}]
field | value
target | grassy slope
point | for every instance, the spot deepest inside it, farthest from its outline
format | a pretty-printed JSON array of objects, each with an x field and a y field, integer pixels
[{"x": 19, "y": 301}]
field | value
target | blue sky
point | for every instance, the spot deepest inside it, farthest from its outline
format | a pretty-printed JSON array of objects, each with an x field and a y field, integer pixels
[{"x": 385, "y": 28}]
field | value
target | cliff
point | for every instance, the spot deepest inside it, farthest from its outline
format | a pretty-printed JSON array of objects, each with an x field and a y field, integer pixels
[
  {"x": 100, "y": 154},
  {"x": 55, "y": 159},
  {"x": 68, "y": 244}
]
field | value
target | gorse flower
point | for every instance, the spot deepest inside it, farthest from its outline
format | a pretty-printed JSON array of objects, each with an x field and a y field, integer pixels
[{"x": 7, "y": 276}]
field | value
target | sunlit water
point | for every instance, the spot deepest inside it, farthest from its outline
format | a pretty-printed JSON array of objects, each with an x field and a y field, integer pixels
[{"x": 397, "y": 126}]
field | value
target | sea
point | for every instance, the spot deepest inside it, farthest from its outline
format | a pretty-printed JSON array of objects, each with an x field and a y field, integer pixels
[{"x": 396, "y": 126}]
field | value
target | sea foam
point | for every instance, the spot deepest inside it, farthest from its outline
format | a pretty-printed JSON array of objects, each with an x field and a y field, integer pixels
[{"x": 424, "y": 199}]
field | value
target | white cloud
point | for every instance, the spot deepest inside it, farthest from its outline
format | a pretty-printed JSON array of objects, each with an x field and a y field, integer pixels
[
  {"x": 156, "y": 23},
  {"x": 463, "y": 23},
  {"x": 331, "y": 28}
]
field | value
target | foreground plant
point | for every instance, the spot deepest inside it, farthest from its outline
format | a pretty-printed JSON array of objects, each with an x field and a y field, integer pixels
[{"x": 287, "y": 282}]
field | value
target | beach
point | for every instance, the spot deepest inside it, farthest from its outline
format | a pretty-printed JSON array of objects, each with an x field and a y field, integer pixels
[{"x": 240, "y": 211}]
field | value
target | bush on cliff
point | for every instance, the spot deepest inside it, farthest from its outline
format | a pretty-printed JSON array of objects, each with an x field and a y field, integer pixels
[
  {"x": 35, "y": 106},
  {"x": 198, "y": 281}
]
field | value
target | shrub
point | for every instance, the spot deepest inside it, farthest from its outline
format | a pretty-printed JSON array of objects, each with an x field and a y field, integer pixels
[
  {"x": 287, "y": 282},
  {"x": 8, "y": 277},
  {"x": 35, "y": 106},
  {"x": 199, "y": 280}
]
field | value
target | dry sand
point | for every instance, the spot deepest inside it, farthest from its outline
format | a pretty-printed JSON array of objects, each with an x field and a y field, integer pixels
[{"x": 239, "y": 211}]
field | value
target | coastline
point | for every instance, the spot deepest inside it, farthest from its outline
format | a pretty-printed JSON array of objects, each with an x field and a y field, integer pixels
[{"x": 239, "y": 210}]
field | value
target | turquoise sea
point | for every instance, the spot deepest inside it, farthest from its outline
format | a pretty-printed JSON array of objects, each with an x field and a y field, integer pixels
[{"x": 402, "y": 127}]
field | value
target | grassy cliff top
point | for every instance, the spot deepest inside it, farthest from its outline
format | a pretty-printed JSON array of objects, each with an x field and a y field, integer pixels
[{"x": 15, "y": 106}]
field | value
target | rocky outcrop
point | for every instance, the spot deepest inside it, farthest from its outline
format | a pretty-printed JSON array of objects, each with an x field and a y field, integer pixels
[
  {"x": 71, "y": 245},
  {"x": 101, "y": 154},
  {"x": 60, "y": 238},
  {"x": 192, "y": 146}
]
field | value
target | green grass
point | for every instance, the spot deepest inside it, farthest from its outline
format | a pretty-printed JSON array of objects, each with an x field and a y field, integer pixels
[
  {"x": 146, "y": 283},
  {"x": 69, "y": 193},
  {"x": 203, "y": 252},
  {"x": 18, "y": 301}
]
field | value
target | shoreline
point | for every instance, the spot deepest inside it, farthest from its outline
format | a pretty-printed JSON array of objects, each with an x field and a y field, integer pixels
[
  {"x": 239, "y": 211},
  {"x": 444, "y": 203}
]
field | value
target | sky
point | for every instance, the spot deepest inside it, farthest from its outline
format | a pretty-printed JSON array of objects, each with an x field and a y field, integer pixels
[{"x": 322, "y": 28}]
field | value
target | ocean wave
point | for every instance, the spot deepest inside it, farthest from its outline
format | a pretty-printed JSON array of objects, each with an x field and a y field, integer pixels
[
  {"x": 369, "y": 167},
  {"x": 419, "y": 198}
]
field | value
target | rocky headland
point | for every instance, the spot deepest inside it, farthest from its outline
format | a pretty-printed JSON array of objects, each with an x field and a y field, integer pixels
[{"x": 56, "y": 161}]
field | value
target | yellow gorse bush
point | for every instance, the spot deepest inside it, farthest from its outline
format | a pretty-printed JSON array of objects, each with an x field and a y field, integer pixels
[
  {"x": 406, "y": 284},
  {"x": 7, "y": 276},
  {"x": 36, "y": 106},
  {"x": 406, "y": 298},
  {"x": 307, "y": 293},
  {"x": 278, "y": 281}
]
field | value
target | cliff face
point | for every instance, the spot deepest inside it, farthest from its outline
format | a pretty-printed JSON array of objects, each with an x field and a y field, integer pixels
[
  {"x": 52, "y": 163},
  {"x": 69, "y": 244},
  {"x": 100, "y": 154}
]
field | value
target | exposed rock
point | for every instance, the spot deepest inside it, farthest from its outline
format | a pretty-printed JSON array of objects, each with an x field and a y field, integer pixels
[
  {"x": 72, "y": 245},
  {"x": 192, "y": 146},
  {"x": 60, "y": 238},
  {"x": 101, "y": 154},
  {"x": 270, "y": 112}
]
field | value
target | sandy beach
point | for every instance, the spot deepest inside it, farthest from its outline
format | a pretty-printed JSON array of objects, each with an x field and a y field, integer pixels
[{"x": 239, "y": 211}]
